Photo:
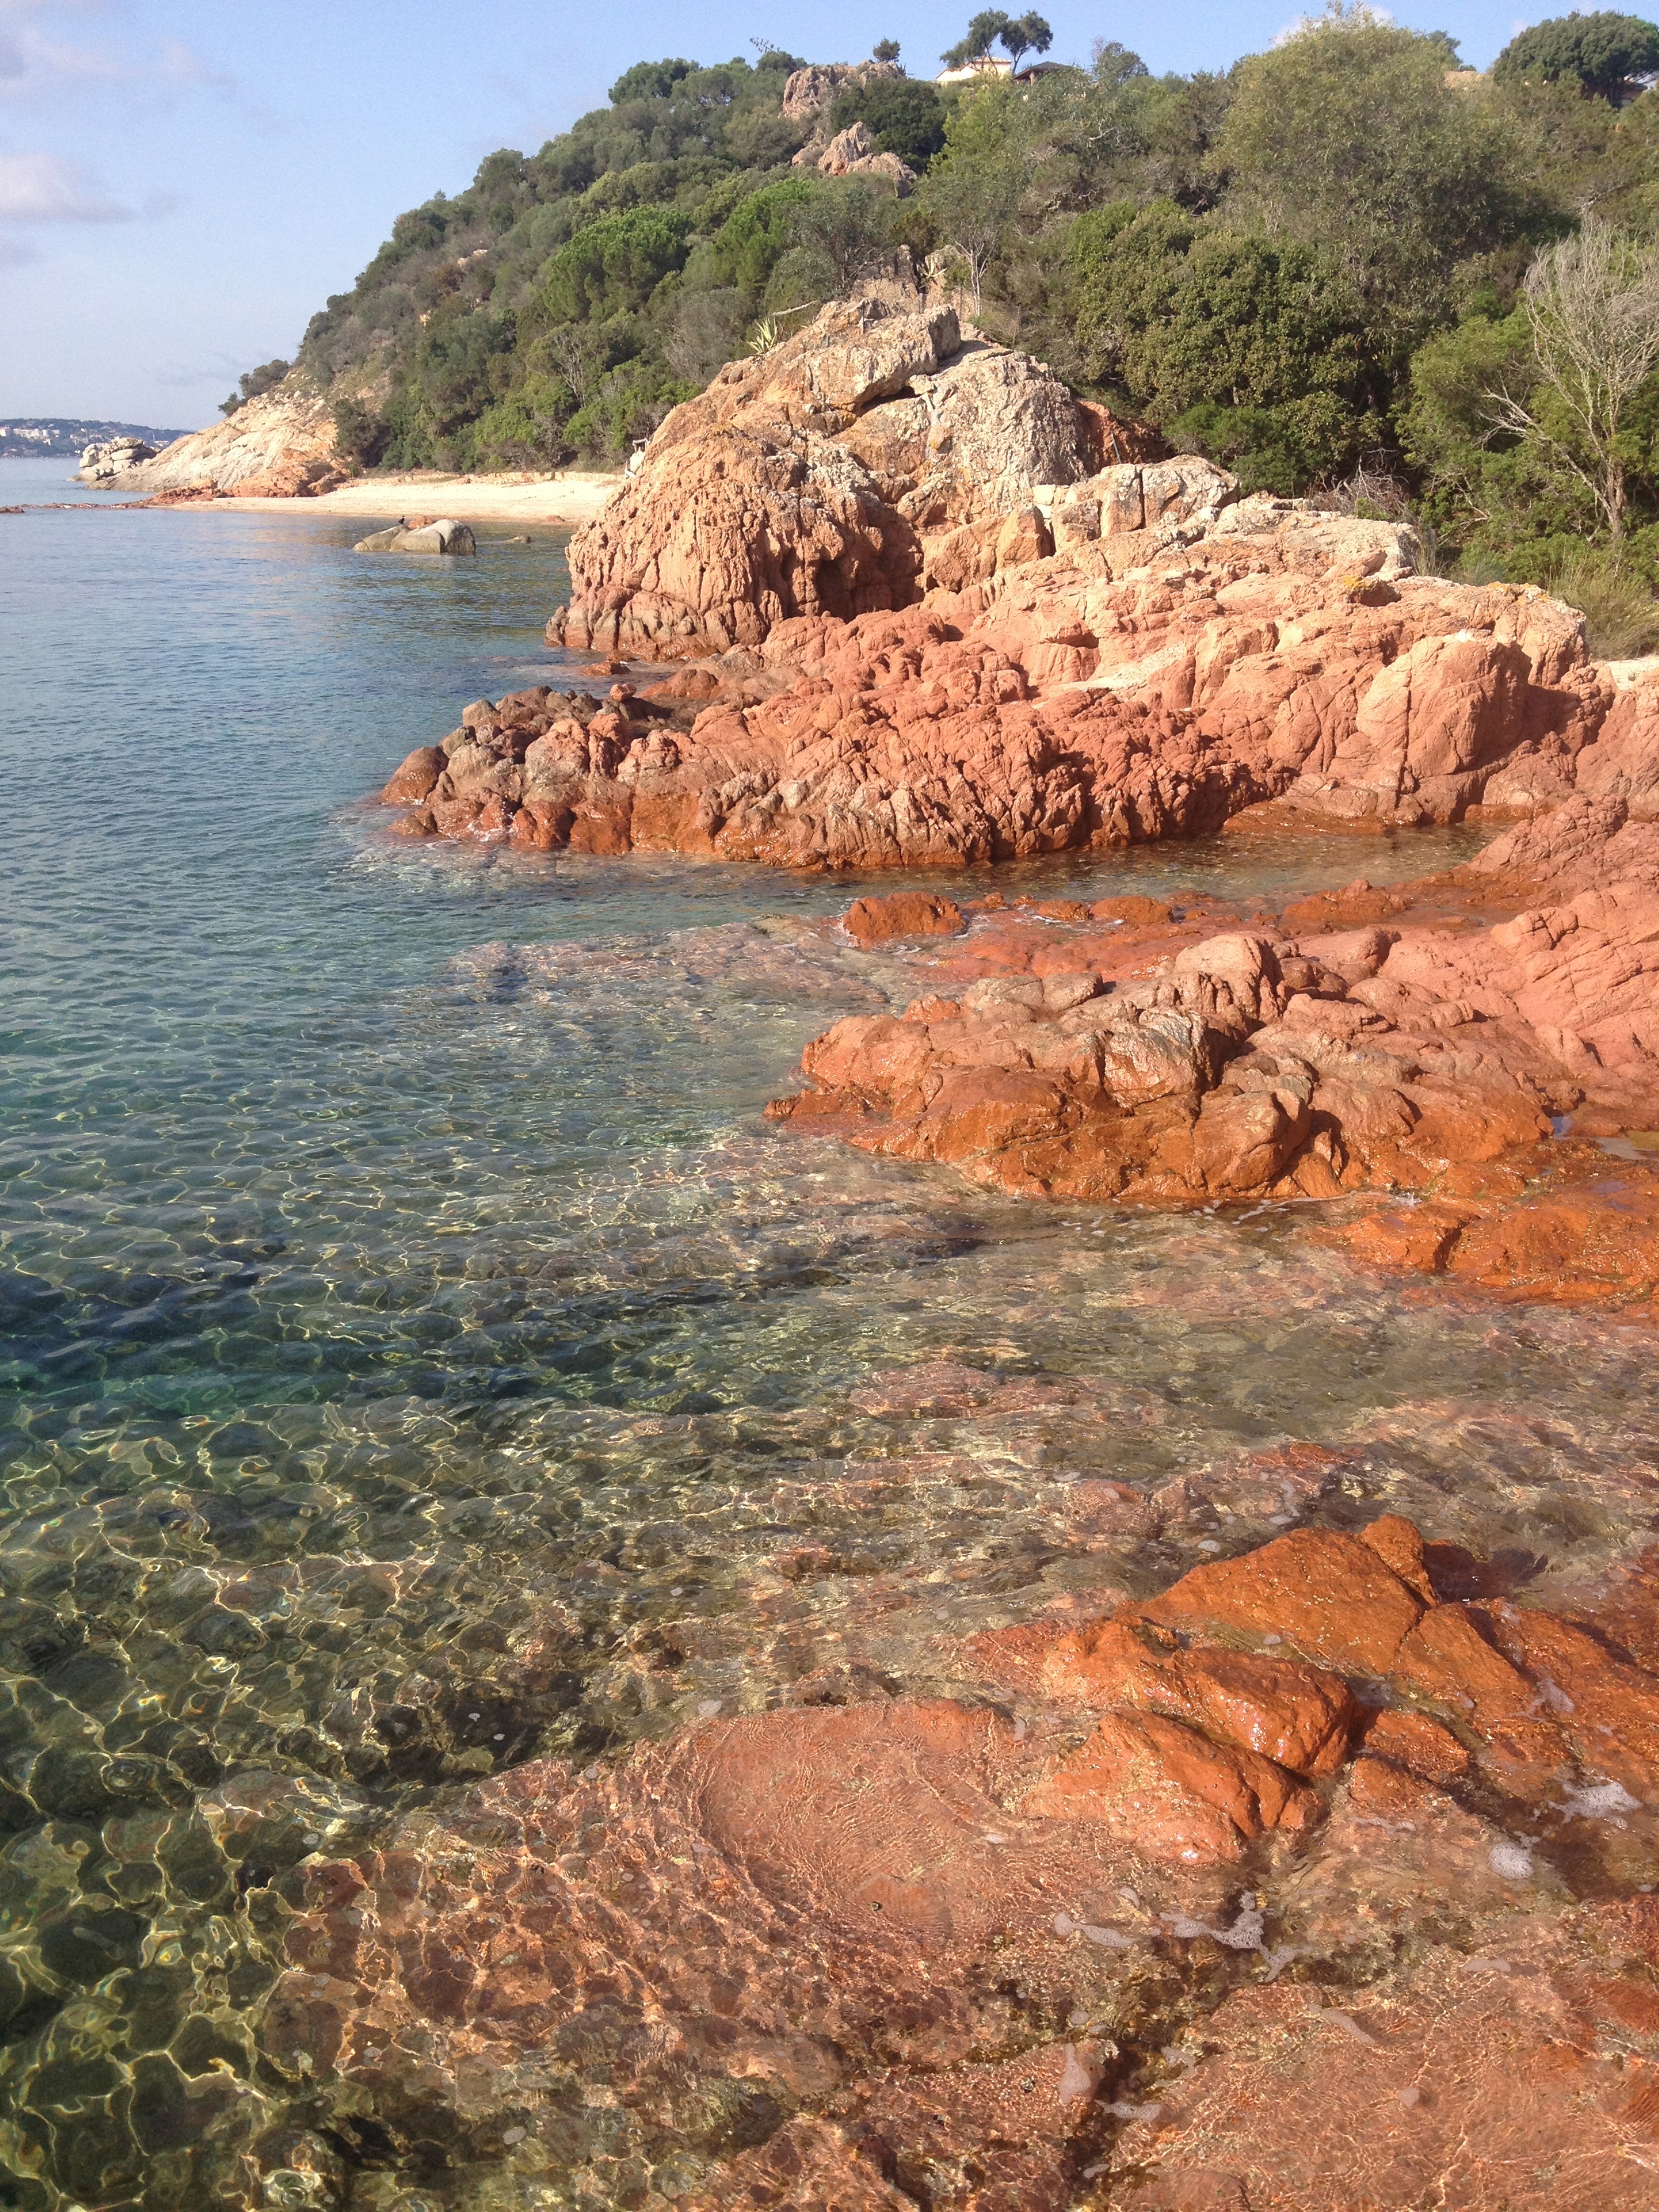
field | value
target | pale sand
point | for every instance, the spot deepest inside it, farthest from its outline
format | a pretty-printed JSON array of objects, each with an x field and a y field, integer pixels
[{"x": 569, "y": 499}]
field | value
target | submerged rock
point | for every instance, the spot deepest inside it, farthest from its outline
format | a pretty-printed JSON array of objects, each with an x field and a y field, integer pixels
[{"x": 792, "y": 1956}]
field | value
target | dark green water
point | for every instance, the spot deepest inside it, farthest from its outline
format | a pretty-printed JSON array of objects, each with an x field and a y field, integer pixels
[{"x": 399, "y": 1285}]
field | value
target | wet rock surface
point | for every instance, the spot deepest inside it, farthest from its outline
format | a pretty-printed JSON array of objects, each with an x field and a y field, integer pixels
[
  {"x": 903, "y": 1949},
  {"x": 1472, "y": 1076}
]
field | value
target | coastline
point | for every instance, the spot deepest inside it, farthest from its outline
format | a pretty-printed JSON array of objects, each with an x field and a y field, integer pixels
[{"x": 569, "y": 499}]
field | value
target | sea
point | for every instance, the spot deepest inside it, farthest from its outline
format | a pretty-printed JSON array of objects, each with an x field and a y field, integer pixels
[{"x": 394, "y": 1259}]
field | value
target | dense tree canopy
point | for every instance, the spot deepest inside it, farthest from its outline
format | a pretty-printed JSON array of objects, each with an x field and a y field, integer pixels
[{"x": 1606, "y": 56}]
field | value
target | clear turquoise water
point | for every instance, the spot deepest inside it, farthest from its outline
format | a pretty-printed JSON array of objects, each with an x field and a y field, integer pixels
[{"x": 419, "y": 1354}]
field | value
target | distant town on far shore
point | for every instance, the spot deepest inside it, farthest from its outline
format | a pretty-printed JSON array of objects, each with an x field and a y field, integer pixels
[{"x": 46, "y": 436}]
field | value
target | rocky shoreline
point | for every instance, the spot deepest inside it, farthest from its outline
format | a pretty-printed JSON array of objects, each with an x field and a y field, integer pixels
[
  {"x": 1316, "y": 1876},
  {"x": 1132, "y": 654}
]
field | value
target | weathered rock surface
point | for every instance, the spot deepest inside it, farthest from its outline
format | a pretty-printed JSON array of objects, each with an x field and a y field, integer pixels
[
  {"x": 912, "y": 1949},
  {"x": 800, "y": 482},
  {"x": 445, "y": 534},
  {"x": 114, "y": 461},
  {"x": 280, "y": 446}
]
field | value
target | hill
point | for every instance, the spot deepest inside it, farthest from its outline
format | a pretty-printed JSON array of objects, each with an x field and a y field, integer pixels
[
  {"x": 65, "y": 436},
  {"x": 1312, "y": 268}
]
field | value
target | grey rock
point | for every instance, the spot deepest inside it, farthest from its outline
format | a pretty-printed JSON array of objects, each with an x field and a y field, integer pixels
[{"x": 444, "y": 536}]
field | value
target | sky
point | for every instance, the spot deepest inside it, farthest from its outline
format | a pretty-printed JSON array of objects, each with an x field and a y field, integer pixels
[{"x": 182, "y": 185}]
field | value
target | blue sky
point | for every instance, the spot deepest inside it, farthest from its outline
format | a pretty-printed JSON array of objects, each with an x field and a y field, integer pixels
[{"x": 181, "y": 184}]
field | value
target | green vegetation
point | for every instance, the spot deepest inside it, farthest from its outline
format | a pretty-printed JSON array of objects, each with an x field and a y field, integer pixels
[
  {"x": 1018, "y": 35},
  {"x": 252, "y": 382},
  {"x": 1606, "y": 57},
  {"x": 1346, "y": 266}
]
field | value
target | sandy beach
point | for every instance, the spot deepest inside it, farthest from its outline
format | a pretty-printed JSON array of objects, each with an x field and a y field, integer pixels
[{"x": 563, "y": 499}]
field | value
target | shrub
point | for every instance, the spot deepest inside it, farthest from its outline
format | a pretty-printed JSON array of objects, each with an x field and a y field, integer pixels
[
  {"x": 359, "y": 434},
  {"x": 1621, "y": 615},
  {"x": 252, "y": 382}
]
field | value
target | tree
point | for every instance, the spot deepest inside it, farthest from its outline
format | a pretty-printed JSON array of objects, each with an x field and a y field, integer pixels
[
  {"x": 649, "y": 80},
  {"x": 1114, "y": 64},
  {"x": 1592, "y": 307},
  {"x": 849, "y": 222},
  {"x": 757, "y": 234},
  {"x": 1346, "y": 137},
  {"x": 902, "y": 117},
  {"x": 616, "y": 263},
  {"x": 884, "y": 50},
  {"x": 983, "y": 30},
  {"x": 1025, "y": 34},
  {"x": 1249, "y": 349},
  {"x": 1609, "y": 56},
  {"x": 972, "y": 192}
]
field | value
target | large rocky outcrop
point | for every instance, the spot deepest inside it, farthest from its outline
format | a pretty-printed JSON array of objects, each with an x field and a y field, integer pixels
[
  {"x": 803, "y": 481},
  {"x": 851, "y": 153},
  {"x": 1141, "y": 683},
  {"x": 280, "y": 446},
  {"x": 807, "y": 92},
  {"x": 112, "y": 462}
]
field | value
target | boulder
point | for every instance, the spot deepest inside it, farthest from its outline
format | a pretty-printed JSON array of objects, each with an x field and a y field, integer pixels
[
  {"x": 446, "y": 535},
  {"x": 800, "y": 481},
  {"x": 113, "y": 460},
  {"x": 851, "y": 153}
]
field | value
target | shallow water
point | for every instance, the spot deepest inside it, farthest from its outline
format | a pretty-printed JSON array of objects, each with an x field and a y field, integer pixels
[{"x": 420, "y": 1355}]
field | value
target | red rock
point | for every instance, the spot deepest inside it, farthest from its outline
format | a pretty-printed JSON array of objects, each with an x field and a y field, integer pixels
[
  {"x": 1605, "y": 1706},
  {"x": 1447, "y": 1660},
  {"x": 1296, "y": 1716},
  {"x": 1489, "y": 2090},
  {"x": 1623, "y": 763},
  {"x": 902, "y": 914},
  {"x": 1422, "y": 1746},
  {"x": 418, "y": 776},
  {"x": 1171, "y": 1792},
  {"x": 1391, "y": 1792},
  {"x": 1398, "y": 1543},
  {"x": 1326, "y": 1595}
]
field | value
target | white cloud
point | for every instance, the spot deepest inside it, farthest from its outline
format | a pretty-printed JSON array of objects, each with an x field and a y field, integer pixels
[
  {"x": 47, "y": 188},
  {"x": 33, "y": 59},
  {"x": 40, "y": 55},
  {"x": 1358, "y": 11},
  {"x": 181, "y": 65}
]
